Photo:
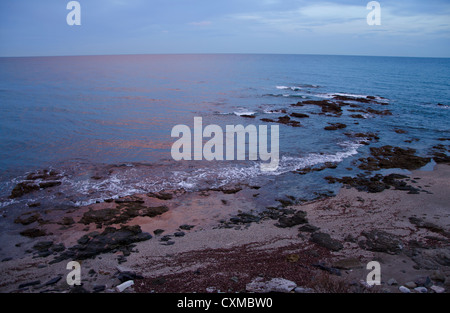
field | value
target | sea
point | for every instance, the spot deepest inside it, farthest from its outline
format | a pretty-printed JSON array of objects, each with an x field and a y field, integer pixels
[{"x": 104, "y": 123}]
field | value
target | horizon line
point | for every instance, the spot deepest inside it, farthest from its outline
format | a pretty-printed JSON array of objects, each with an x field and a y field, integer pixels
[{"x": 222, "y": 53}]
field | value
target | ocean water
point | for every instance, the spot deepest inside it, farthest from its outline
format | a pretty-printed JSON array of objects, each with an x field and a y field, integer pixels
[{"x": 104, "y": 122}]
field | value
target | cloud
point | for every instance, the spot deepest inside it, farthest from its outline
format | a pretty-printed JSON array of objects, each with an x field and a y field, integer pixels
[{"x": 202, "y": 23}]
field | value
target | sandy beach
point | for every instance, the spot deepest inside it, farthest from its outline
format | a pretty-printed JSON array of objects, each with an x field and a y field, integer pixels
[{"x": 203, "y": 242}]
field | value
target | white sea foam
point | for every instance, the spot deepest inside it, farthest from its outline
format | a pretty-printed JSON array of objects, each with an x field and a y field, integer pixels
[{"x": 240, "y": 113}]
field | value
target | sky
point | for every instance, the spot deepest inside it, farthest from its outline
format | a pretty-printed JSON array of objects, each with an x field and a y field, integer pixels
[{"x": 414, "y": 28}]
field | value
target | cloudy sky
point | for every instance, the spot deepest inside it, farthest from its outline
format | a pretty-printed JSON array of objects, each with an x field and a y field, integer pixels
[{"x": 408, "y": 27}]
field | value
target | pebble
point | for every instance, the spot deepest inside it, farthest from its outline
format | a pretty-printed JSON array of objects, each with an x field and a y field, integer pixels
[
  {"x": 303, "y": 290},
  {"x": 403, "y": 289},
  {"x": 410, "y": 285},
  {"x": 421, "y": 289},
  {"x": 437, "y": 289},
  {"x": 392, "y": 282}
]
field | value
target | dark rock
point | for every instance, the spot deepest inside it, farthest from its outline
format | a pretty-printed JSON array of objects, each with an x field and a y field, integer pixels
[
  {"x": 33, "y": 233},
  {"x": 423, "y": 282},
  {"x": 29, "y": 284},
  {"x": 161, "y": 195},
  {"x": 67, "y": 221},
  {"x": 49, "y": 184},
  {"x": 245, "y": 218},
  {"x": 43, "y": 245},
  {"x": 111, "y": 239},
  {"x": 53, "y": 281},
  {"x": 99, "y": 288},
  {"x": 7, "y": 259},
  {"x": 328, "y": 269},
  {"x": 286, "y": 120},
  {"x": 308, "y": 228},
  {"x": 421, "y": 223},
  {"x": 166, "y": 238},
  {"x": 126, "y": 276},
  {"x": 290, "y": 221},
  {"x": 393, "y": 157},
  {"x": 179, "y": 234},
  {"x": 22, "y": 189},
  {"x": 336, "y": 126},
  {"x": 186, "y": 227},
  {"x": 158, "y": 232},
  {"x": 27, "y": 218},
  {"x": 325, "y": 240},
  {"x": 299, "y": 115},
  {"x": 380, "y": 241}
]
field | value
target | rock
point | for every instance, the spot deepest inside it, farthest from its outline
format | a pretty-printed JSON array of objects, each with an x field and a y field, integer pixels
[
  {"x": 308, "y": 228},
  {"x": 410, "y": 285},
  {"x": 124, "y": 286},
  {"x": 186, "y": 227},
  {"x": 99, "y": 288},
  {"x": 274, "y": 285},
  {"x": 437, "y": 289},
  {"x": 381, "y": 241},
  {"x": 348, "y": 264},
  {"x": 179, "y": 234},
  {"x": 29, "y": 284},
  {"x": 328, "y": 269},
  {"x": 299, "y": 115},
  {"x": 43, "y": 245},
  {"x": 286, "y": 120},
  {"x": 128, "y": 275},
  {"x": 166, "y": 238},
  {"x": 158, "y": 232},
  {"x": 33, "y": 233},
  {"x": 67, "y": 221},
  {"x": 303, "y": 290},
  {"x": 431, "y": 259},
  {"x": 392, "y": 282},
  {"x": 424, "y": 282},
  {"x": 27, "y": 218},
  {"x": 325, "y": 240},
  {"x": 336, "y": 126},
  {"x": 111, "y": 239},
  {"x": 22, "y": 189},
  {"x": 7, "y": 259},
  {"x": 161, "y": 195},
  {"x": 245, "y": 218},
  {"x": 421, "y": 290},
  {"x": 393, "y": 157},
  {"x": 438, "y": 276},
  {"x": 53, "y": 281},
  {"x": 290, "y": 221},
  {"x": 403, "y": 289}
]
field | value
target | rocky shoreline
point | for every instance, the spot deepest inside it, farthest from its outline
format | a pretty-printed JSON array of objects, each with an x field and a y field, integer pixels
[
  {"x": 222, "y": 239},
  {"x": 316, "y": 245}
]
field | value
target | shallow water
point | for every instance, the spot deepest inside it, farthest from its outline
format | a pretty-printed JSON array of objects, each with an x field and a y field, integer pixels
[{"x": 111, "y": 117}]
